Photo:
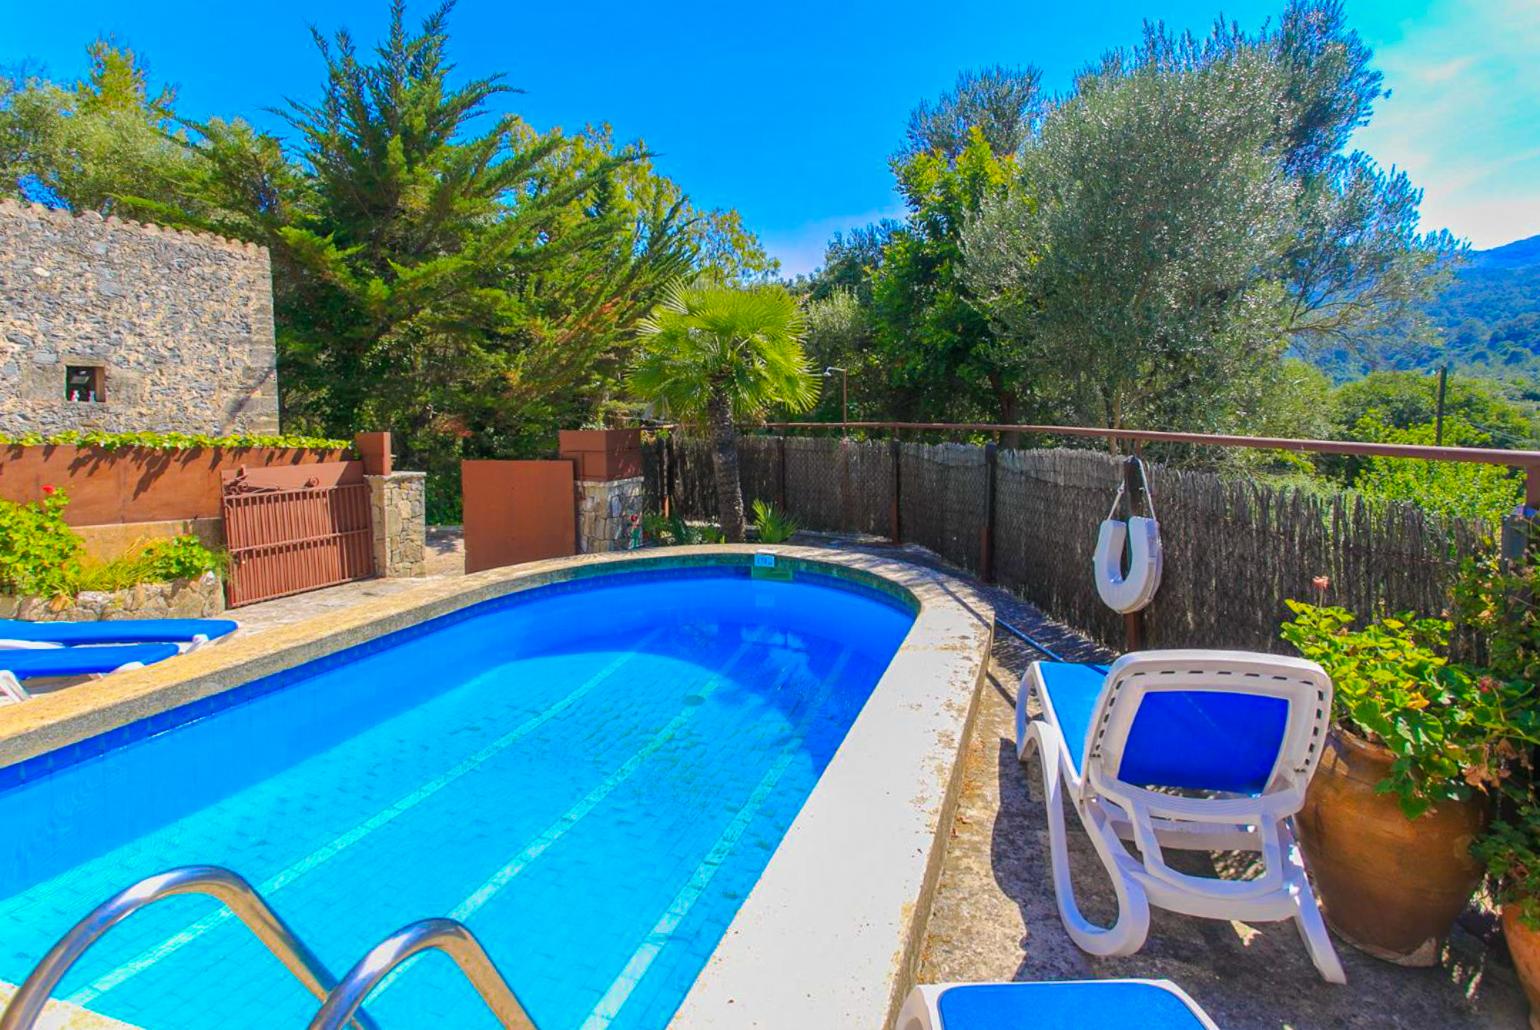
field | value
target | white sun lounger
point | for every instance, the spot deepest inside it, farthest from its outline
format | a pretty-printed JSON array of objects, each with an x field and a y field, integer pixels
[
  {"x": 187, "y": 634},
  {"x": 25, "y": 663},
  {"x": 1198, "y": 750},
  {"x": 1053, "y": 1005}
]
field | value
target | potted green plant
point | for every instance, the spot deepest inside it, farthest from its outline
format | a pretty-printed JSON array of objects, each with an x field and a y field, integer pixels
[
  {"x": 1417, "y": 742},
  {"x": 1511, "y": 854},
  {"x": 1496, "y": 600}
]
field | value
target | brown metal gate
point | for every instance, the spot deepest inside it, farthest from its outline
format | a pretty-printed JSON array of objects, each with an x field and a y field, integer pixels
[{"x": 294, "y": 529}]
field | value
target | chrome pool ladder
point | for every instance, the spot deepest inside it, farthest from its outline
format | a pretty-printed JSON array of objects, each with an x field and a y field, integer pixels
[{"x": 341, "y": 1001}]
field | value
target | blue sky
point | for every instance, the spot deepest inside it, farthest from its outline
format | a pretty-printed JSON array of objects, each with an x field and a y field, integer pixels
[{"x": 788, "y": 112}]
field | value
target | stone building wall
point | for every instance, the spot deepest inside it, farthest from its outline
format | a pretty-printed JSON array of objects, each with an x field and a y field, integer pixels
[{"x": 176, "y": 328}]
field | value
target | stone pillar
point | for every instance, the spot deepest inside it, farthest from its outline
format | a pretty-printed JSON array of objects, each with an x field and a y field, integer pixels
[
  {"x": 396, "y": 510},
  {"x": 605, "y": 508}
]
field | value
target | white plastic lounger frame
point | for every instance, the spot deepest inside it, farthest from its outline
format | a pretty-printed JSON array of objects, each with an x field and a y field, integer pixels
[
  {"x": 921, "y": 1009},
  {"x": 1134, "y": 591},
  {"x": 11, "y": 690},
  {"x": 10, "y": 643},
  {"x": 1114, "y": 810}
]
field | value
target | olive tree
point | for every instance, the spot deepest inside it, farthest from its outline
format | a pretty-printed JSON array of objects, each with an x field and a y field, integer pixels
[{"x": 1131, "y": 262}]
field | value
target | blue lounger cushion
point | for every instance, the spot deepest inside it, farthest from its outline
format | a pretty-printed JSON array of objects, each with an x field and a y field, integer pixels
[
  {"x": 1068, "y": 1005},
  {"x": 80, "y": 661},
  {"x": 122, "y": 631},
  {"x": 1188, "y": 739}
]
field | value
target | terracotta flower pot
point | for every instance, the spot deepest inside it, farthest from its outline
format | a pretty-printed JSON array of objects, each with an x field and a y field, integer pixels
[
  {"x": 1524, "y": 946},
  {"x": 1389, "y": 885}
]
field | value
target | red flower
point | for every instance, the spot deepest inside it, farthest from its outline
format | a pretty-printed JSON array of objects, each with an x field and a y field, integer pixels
[
  {"x": 47, "y": 490},
  {"x": 1321, "y": 583}
]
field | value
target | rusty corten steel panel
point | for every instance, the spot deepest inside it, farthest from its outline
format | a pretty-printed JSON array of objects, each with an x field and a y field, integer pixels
[
  {"x": 289, "y": 539},
  {"x": 517, "y": 511},
  {"x": 136, "y": 484}
]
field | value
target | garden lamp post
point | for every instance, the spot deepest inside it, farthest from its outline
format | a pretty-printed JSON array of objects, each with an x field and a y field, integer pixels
[{"x": 828, "y": 373}]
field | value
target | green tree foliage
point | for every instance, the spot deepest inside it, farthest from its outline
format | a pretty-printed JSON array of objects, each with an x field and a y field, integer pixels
[
  {"x": 716, "y": 355},
  {"x": 1465, "y": 490},
  {"x": 1187, "y": 215},
  {"x": 934, "y": 348},
  {"x": 441, "y": 269},
  {"x": 1004, "y": 104},
  {"x": 87, "y": 146},
  {"x": 1402, "y": 400},
  {"x": 1129, "y": 263}
]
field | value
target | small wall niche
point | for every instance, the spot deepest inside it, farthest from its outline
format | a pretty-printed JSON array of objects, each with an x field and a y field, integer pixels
[{"x": 85, "y": 384}]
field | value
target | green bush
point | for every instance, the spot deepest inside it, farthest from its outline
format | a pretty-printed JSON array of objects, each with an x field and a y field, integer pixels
[
  {"x": 39, "y": 553},
  {"x": 41, "y": 556},
  {"x": 674, "y": 531},
  {"x": 158, "y": 561},
  {"x": 773, "y": 525},
  {"x": 1510, "y": 850},
  {"x": 1452, "y": 729}
]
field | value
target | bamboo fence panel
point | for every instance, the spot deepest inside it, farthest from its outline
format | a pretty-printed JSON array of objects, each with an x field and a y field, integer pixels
[
  {"x": 1235, "y": 549},
  {"x": 943, "y": 493}
]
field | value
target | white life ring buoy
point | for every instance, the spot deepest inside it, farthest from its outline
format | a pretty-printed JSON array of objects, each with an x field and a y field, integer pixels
[{"x": 1134, "y": 590}]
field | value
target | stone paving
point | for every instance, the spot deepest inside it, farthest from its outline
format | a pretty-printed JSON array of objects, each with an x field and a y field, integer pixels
[
  {"x": 994, "y": 916},
  {"x": 445, "y": 558}
]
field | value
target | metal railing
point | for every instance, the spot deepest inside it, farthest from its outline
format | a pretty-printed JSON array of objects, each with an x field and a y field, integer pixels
[
  {"x": 226, "y": 887},
  {"x": 1526, "y": 461},
  {"x": 445, "y": 935}
]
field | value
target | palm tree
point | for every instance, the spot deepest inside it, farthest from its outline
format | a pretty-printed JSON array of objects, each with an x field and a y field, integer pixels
[{"x": 723, "y": 355}]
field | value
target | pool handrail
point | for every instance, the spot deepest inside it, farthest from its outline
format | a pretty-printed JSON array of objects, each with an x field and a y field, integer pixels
[
  {"x": 449, "y": 936},
  {"x": 226, "y": 887}
]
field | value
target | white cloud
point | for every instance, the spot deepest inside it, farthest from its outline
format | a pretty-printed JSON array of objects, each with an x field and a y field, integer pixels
[{"x": 1463, "y": 118}]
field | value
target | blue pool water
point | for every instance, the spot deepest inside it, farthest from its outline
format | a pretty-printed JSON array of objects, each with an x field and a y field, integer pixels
[{"x": 592, "y": 776}]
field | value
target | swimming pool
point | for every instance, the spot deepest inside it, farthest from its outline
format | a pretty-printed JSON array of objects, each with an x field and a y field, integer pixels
[{"x": 592, "y": 775}]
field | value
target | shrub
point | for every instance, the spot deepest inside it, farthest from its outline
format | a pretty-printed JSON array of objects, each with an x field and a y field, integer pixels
[
  {"x": 39, "y": 553},
  {"x": 1511, "y": 853},
  {"x": 158, "y": 561},
  {"x": 773, "y": 526},
  {"x": 1452, "y": 729},
  {"x": 674, "y": 531},
  {"x": 41, "y": 556}
]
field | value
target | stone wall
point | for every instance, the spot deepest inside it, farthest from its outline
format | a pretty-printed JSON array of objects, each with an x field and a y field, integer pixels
[
  {"x": 396, "y": 509},
  {"x": 180, "y": 599},
  {"x": 604, "y": 512},
  {"x": 175, "y": 327}
]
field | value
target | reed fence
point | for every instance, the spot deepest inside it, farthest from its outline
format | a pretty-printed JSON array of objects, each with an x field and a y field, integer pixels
[{"x": 1235, "y": 548}]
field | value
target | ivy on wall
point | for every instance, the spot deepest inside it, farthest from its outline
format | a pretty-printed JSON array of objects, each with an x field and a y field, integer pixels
[{"x": 171, "y": 441}]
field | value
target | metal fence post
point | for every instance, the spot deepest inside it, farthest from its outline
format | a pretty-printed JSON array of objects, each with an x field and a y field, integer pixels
[
  {"x": 1133, "y": 493},
  {"x": 896, "y": 517},
  {"x": 987, "y": 538}
]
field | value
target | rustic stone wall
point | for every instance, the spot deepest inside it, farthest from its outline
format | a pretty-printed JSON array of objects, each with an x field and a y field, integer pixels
[
  {"x": 604, "y": 513},
  {"x": 179, "y": 599},
  {"x": 396, "y": 508},
  {"x": 180, "y": 323}
]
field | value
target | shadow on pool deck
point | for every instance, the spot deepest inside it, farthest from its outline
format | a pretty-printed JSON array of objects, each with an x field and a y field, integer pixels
[{"x": 995, "y": 918}]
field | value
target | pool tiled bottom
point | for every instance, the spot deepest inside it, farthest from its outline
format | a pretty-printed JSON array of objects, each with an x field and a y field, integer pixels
[{"x": 596, "y": 815}]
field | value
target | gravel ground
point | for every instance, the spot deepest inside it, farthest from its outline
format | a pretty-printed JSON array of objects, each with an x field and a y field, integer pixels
[{"x": 994, "y": 915}]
